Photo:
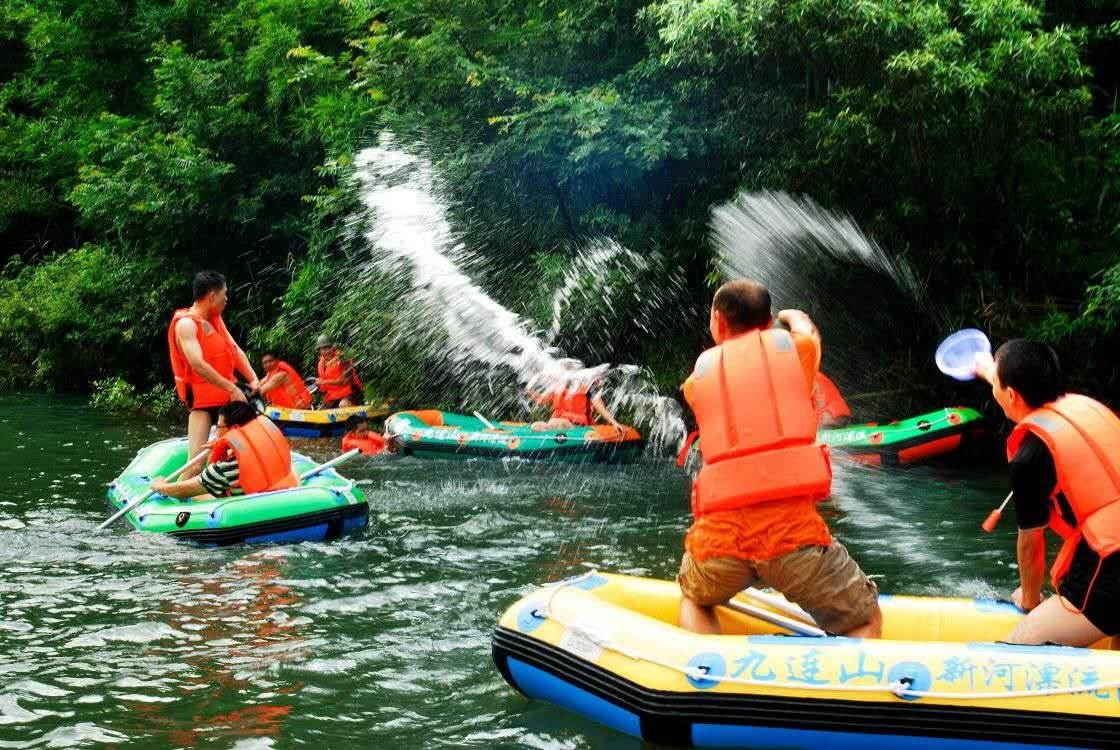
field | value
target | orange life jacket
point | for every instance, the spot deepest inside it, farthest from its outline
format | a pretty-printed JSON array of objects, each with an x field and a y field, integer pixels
[
  {"x": 332, "y": 368},
  {"x": 757, "y": 425},
  {"x": 573, "y": 404},
  {"x": 263, "y": 456},
  {"x": 292, "y": 394},
  {"x": 218, "y": 350},
  {"x": 828, "y": 402},
  {"x": 369, "y": 444},
  {"x": 1083, "y": 436}
]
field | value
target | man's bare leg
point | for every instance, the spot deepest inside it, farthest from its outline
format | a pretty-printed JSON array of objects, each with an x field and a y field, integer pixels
[
  {"x": 697, "y": 618},
  {"x": 1056, "y": 620},
  {"x": 198, "y": 433},
  {"x": 873, "y": 628}
]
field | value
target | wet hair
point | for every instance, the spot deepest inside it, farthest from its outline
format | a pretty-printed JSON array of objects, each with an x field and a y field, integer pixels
[
  {"x": 354, "y": 420},
  {"x": 206, "y": 282},
  {"x": 237, "y": 413},
  {"x": 1032, "y": 369},
  {"x": 744, "y": 304}
]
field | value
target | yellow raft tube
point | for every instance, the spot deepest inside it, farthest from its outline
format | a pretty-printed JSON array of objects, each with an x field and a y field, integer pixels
[{"x": 607, "y": 647}]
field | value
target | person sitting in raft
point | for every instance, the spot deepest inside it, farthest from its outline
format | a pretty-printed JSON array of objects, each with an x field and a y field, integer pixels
[
  {"x": 1064, "y": 460},
  {"x": 282, "y": 386},
  {"x": 754, "y": 500},
  {"x": 204, "y": 357},
  {"x": 832, "y": 410},
  {"x": 359, "y": 435},
  {"x": 574, "y": 403},
  {"x": 250, "y": 455},
  {"x": 338, "y": 379}
]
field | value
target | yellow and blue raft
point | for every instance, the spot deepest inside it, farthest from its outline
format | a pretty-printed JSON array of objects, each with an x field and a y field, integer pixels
[{"x": 608, "y": 647}]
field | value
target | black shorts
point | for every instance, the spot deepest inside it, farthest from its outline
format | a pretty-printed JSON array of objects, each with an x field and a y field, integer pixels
[
  {"x": 1103, "y": 608},
  {"x": 212, "y": 411}
]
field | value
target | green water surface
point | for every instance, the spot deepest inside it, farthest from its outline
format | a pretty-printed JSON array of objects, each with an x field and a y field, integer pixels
[{"x": 381, "y": 640}]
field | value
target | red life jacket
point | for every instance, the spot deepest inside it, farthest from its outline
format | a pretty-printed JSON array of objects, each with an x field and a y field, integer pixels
[
  {"x": 1083, "y": 436},
  {"x": 828, "y": 402},
  {"x": 218, "y": 350},
  {"x": 573, "y": 404},
  {"x": 369, "y": 444},
  {"x": 333, "y": 369},
  {"x": 292, "y": 394},
  {"x": 757, "y": 425},
  {"x": 262, "y": 453}
]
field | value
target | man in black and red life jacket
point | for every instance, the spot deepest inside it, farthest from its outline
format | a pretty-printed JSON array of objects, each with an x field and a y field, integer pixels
[
  {"x": 250, "y": 455},
  {"x": 204, "y": 358},
  {"x": 1064, "y": 455}
]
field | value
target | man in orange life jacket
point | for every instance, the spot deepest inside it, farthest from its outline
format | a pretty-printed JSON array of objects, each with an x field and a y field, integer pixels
[
  {"x": 338, "y": 380},
  {"x": 754, "y": 500},
  {"x": 832, "y": 410},
  {"x": 282, "y": 386},
  {"x": 574, "y": 403},
  {"x": 204, "y": 357},
  {"x": 1064, "y": 455},
  {"x": 250, "y": 455}
]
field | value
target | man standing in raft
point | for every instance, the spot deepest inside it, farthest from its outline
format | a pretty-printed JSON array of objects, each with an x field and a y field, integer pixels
[
  {"x": 754, "y": 500},
  {"x": 203, "y": 359},
  {"x": 338, "y": 380},
  {"x": 1064, "y": 456},
  {"x": 282, "y": 386},
  {"x": 250, "y": 455}
]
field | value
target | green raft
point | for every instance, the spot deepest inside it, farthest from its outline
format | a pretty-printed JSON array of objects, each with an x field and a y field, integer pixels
[
  {"x": 325, "y": 506},
  {"x": 439, "y": 434},
  {"x": 907, "y": 441}
]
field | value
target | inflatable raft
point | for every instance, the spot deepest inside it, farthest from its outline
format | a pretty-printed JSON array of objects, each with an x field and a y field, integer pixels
[
  {"x": 325, "y": 506},
  {"x": 440, "y": 434},
  {"x": 921, "y": 438},
  {"x": 319, "y": 423},
  {"x": 607, "y": 647}
]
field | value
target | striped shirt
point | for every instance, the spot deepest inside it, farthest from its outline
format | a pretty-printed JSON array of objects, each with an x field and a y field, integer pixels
[{"x": 219, "y": 477}]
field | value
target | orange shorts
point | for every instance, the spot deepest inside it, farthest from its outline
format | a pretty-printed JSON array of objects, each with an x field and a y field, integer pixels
[{"x": 825, "y": 581}]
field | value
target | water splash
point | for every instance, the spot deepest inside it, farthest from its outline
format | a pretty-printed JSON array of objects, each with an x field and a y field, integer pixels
[{"x": 440, "y": 308}]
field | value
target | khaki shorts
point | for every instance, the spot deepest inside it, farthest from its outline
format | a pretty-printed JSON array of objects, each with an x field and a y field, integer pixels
[{"x": 825, "y": 581}]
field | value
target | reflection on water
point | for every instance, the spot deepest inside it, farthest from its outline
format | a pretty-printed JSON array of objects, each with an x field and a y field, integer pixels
[{"x": 132, "y": 639}]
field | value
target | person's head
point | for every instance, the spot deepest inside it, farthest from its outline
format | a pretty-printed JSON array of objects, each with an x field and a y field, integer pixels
[
  {"x": 269, "y": 361},
  {"x": 210, "y": 290},
  {"x": 357, "y": 424},
  {"x": 1027, "y": 376},
  {"x": 325, "y": 345},
  {"x": 738, "y": 307},
  {"x": 235, "y": 414}
]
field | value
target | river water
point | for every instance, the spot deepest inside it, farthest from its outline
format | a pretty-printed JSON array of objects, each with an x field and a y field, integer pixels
[{"x": 378, "y": 640}]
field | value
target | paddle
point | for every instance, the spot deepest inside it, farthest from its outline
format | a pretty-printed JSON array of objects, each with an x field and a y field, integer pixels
[
  {"x": 333, "y": 462},
  {"x": 774, "y": 618},
  {"x": 147, "y": 495},
  {"x": 484, "y": 421},
  {"x": 993, "y": 517},
  {"x": 956, "y": 355}
]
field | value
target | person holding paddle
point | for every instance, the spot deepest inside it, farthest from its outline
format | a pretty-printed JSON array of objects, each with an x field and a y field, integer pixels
[
  {"x": 204, "y": 357},
  {"x": 1064, "y": 459},
  {"x": 754, "y": 500},
  {"x": 250, "y": 455}
]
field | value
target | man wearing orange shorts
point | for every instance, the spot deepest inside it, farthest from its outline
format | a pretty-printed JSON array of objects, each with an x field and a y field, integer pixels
[{"x": 754, "y": 500}]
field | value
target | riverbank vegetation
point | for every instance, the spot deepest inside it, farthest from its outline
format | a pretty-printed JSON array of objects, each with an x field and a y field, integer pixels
[{"x": 140, "y": 141}]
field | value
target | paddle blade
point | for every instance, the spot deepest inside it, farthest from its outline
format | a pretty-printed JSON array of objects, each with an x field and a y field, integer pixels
[
  {"x": 956, "y": 356},
  {"x": 991, "y": 521}
]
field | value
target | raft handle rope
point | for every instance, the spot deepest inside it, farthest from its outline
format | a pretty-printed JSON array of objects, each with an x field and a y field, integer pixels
[{"x": 899, "y": 688}]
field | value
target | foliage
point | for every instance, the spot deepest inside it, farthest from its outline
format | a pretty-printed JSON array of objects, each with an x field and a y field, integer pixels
[{"x": 117, "y": 396}]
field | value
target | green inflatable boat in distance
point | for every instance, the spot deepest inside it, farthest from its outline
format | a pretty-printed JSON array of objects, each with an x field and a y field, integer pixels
[
  {"x": 324, "y": 506},
  {"x": 907, "y": 441},
  {"x": 440, "y": 434}
]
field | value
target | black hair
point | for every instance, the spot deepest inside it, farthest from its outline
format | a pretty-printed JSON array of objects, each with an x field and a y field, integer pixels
[
  {"x": 1032, "y": 369},
  {"x": 745, "y": 304},
  {"x": 354, "y": 420},
  {"x": 206, "y": 282},
  {"x": 237, "y": 413}
]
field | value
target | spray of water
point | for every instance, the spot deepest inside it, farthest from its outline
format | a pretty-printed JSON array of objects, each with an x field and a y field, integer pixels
[{"x": 410, "y": 240}]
